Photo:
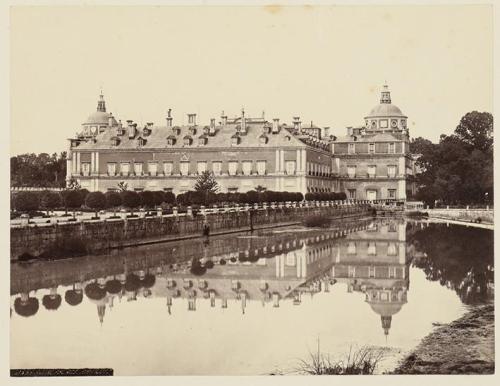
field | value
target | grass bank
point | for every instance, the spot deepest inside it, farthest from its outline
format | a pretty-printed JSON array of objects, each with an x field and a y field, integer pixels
[{"x": 465, "y": 346}]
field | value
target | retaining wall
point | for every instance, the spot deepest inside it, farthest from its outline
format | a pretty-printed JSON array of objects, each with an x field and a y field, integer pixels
[
  {"x": 468, "y": 215},
  {"x": 102, "y": 235}
]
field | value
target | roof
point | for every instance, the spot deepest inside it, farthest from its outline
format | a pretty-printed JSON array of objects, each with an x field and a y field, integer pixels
[
  {"x": 377, "y": 137},
  {"x": 221, "y": 139},
  {"x": 385, "y": 110},
  {"x": 386, "y": 308},
  {"x": 98, "y": 118}
]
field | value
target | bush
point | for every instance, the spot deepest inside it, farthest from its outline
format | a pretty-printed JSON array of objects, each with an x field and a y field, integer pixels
[
  {"x": 169, "y": 198},
  {"x": 113, "y": 199},
  {"x": 158, "y": 197},
  {"x": 96, "y": 201},
  {"x": 50, "y": 200},
  {"x": 130, "y": 199},
  {"x": 148, "y": 199},
  {"x": 72, "y": 199},
  {"x": 26, "y": 201}
]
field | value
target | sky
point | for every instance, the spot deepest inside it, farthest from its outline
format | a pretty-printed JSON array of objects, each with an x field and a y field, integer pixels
[{"x": 326, "y": 64}]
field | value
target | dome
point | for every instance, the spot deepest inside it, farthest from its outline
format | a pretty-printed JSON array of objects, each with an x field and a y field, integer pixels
[
  {"x": 97, "y": 118},
  {"x": 385, "y": 110}
]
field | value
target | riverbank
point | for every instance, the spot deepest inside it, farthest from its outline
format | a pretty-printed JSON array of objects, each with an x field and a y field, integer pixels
[{"x": 465, "y": 346}]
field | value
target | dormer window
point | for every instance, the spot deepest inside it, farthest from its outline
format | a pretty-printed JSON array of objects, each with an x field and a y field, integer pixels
[
  {"x": 115, "y": 141},
  {"x": 268, "y": 128},
  {"x": 235, "y": 139},
  {"x": 187, "y": 140},
  {"x": 238, "y": 128},
  {"x": 287, "y": 138},
  {"x": 263, "y": 139},
  {"x": 146, "y": 131},
  {"x": 120, "y": 131},
  {"x": 141, "y": 141},
  {"x": 206, "y": 130},
  {"x": 202, "y": 140},
  {"x": 192, "y": 130},
  {"x": 171, "y": 140},
  {"x": 176, "y": 130}
]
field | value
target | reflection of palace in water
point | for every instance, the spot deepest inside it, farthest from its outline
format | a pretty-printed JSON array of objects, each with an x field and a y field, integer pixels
[{"x": 368, "y": 256}]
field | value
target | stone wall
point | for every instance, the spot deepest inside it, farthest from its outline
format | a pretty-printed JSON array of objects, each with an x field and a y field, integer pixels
[
  {"x": 469, "y": 215},
  {"x": 97, "y": 236}
]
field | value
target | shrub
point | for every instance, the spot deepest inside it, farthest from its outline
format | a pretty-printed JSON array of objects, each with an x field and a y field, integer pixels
[
  {"x": 72, "y": 199},
  {"x": 26, "y": 201},
  {"x": 50, "y": 200},
  {"x": 147, "y": 199},
  {"x": 130, "y": 199},
  {"x": 169, "y": 198},
  {"x": 96, "y": 201},
  {"x": 158, "y": 197},
  {"x": 113, "y": 200}
]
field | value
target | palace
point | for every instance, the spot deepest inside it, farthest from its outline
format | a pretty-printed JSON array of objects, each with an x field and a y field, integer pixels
[{"x": 371, "y": 162}]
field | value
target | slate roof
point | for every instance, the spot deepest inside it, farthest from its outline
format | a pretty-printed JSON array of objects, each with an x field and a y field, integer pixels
[{"x": 157, "y": 139}]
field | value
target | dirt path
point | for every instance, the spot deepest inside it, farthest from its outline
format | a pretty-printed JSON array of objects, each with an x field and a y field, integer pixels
[{"x": 465, "y": 346}]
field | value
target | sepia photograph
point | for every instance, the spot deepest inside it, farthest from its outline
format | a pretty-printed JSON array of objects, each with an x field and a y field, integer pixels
[{"x": 216, "y": 189}]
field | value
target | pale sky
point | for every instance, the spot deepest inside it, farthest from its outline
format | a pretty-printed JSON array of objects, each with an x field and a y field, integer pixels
[{"x": 325, "y": 63}]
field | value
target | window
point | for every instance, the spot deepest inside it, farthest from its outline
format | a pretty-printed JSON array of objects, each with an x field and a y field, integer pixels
[
  {"x": 261, "y": 168},
  {"x": 351, "y": 271},
  {"x": 125, "y": 168},
  {"x": 351, "y": 248},
  {"x": 383, "y": 123},
  {"x": 290, "y": 167},
  {"x": 351, "y": 171},
  {"x": 392, "y": 148},
  {"x": 372, "y": 248},
  {"x": 202, "y": 167},
  {"x": 232, "y": 166},
  {"x": 371, "y": 271},
  {"x": 247, "y": 167},
  {"x": 352, "y": 193},
  {"x": 138, "y": 168},
  {"x": 111, "y": 168},
  {"x": 392, "y": 272},
  {"x": 168, "y": 168},
  {"x": 392, "y": 227},
  {"x": 392, "y": 193},
  {"x": 391, "y": 171},
  {"x": 217, "y": 167},
  {"x": 86, "y": 168},
  {"x": 391, "y": 249},
  {"x": 372, "y": 170},
  {"x": 371, "y": 148},
  {"x": 184, "y": 168},
  {"x": 153, "y": 168},
  {"x": 351, "y": 148}
]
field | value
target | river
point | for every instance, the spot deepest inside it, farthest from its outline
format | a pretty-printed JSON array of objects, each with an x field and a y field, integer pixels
[{"x": 249, "y": 304}]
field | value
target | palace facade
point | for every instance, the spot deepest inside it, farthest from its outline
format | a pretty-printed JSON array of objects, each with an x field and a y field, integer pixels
[{"x": 244, "y": 152}]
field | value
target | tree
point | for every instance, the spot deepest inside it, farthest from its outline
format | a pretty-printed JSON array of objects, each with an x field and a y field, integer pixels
[
  {"x": 96, "y": 201},
  {"x": 72, "y": 199},
  {"x": 113, "y": 200},
  {"x": 26, "y": 201},
  {"x": 38, "y": 170},
  {"x": 122, "y": 186},
  {"x": 73, "y": 184},
  {"x": 169, "y": 198},
  {"x": 130, "y": 200},
  {"x": 260, "y": 188},
  {"x": 206, "y": 183},
  {"x": 147, "y": 199},
  {"x": 50, "y": 200},
  {"x": 476, "y": 130},
  {"x": 159, "y": 197}
]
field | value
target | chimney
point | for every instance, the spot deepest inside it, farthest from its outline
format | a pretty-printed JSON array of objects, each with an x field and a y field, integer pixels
[
  {"x": 192, "y": 119},
  {"x": 211, "y": 131},
  {"x": 349, "y": 131},
  {"x": 169, "y": 118},
  {"x": 276, "y": 125},
  {"x": 326, "y": 132},
  {"x": 110, "y": 120},
  {"x": 223, "y": 118}
]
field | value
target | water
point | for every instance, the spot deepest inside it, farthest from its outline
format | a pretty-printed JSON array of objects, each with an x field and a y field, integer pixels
[{"x": 164, "y": 310}]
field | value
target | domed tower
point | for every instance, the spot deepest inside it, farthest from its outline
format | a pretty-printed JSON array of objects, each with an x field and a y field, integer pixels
[
  {"x": 386, "y": 117},
  {"x": 386, "y": 303},
  {"x": 99, "y": 120}
]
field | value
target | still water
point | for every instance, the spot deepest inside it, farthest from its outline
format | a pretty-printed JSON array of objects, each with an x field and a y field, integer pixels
[{"x": 249, "y": 304}]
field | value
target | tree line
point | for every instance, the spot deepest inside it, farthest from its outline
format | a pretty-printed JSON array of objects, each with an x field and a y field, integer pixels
[
  {"x": 459, "y": 169},
  {"x": 38, "y": 170}
]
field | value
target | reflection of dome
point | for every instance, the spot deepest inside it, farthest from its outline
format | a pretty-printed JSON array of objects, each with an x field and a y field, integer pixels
[{"x": 386, "y": 309}]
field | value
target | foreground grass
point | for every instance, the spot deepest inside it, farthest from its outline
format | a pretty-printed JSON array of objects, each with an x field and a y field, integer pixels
[{"x": 360, "y": 361}]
